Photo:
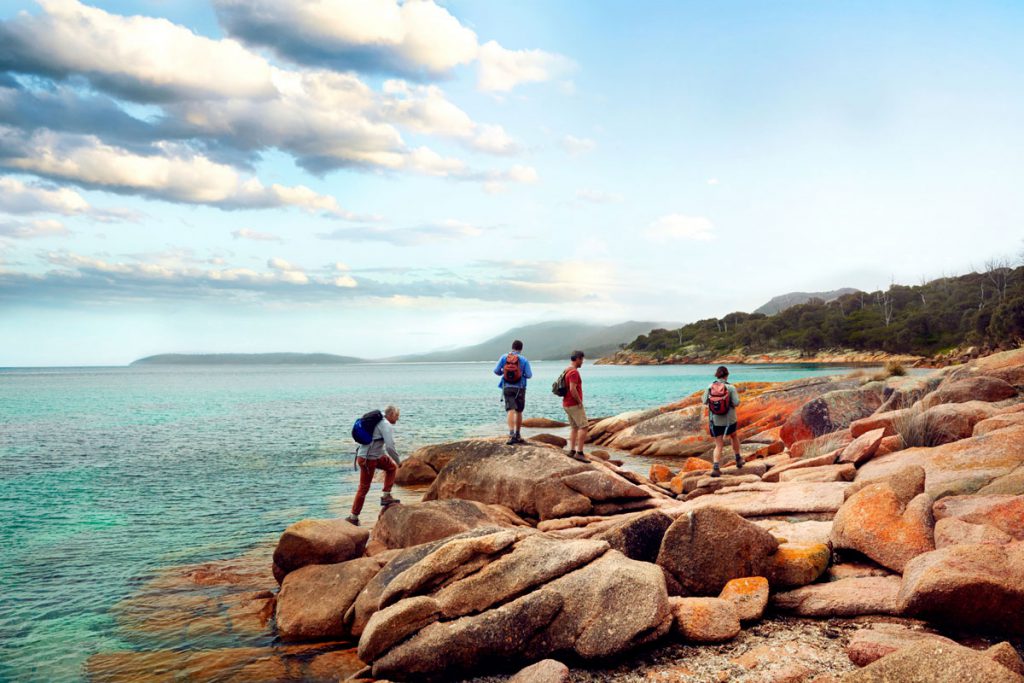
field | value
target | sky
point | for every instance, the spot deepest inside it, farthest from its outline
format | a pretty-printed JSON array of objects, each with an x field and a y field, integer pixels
[{"x": 373, "y": 177}]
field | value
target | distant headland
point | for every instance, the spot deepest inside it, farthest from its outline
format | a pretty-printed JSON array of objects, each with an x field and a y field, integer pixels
[{"x": 247, "y": 359}]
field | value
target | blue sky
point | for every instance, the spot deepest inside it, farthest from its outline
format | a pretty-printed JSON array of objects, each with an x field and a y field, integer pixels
[{"x": 373, "y": 178}]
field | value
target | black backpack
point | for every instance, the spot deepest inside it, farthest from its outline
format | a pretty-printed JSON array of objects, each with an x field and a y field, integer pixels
[{"x": 362, "y": 430}]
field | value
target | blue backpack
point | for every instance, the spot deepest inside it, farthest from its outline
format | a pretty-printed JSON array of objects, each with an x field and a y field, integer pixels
[{"x": 362, "y": 430}]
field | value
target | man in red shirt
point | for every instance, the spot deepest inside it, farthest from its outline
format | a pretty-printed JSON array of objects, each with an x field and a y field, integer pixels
[{"x": 572, "y": 404}]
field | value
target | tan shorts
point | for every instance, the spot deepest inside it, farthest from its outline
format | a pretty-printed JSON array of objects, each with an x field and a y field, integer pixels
[{"x": 577, "y": 416}]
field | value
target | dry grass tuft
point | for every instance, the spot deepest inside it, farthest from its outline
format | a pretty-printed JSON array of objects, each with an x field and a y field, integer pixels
[
  {"x": 894, "y": 368},
  {"x": 914, "y": 433},
  {"x": 827, "y": 445}
]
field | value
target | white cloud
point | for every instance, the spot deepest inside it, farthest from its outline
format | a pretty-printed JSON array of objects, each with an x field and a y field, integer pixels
[
  {"x": 441, "y": 231},
  {"x": 254, "y": 235},
  {"x": 425, "y": 109},
  {"x": 177, "y": 174},
  {"x": 520, "y": 174},
  {"x": 141, "y": 58},
  {"x": 172, "y": 270},
  {"x": 712, "y": 181},
  {"x": 677, "y": 226},
  {"x": 287, "y": 271},
  {"x": 329, "y": 120},
  {"x": 495, "y": 182},
  {"x": 31, "y": 229},
  {"x": 494, "y": 140},
  {"x": 502, "y": 70},
  {"x": 599, "y": 196},
  {"x": 417, "y": 38},
  {"x": 20, "y": 197},
  {"x": 373, "y": 35},
  {"x": 428, "y": 162},
  {"x": 280, "y": 264},
  {"x": 346, "y": 281},
  {"x": 576, "y": 146}
]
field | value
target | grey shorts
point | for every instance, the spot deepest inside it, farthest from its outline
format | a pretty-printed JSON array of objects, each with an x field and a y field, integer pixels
[{"x": 515, "y": 398}]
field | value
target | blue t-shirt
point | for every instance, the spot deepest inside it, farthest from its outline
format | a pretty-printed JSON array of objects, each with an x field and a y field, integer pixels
[{"x": 524, "y": 365}]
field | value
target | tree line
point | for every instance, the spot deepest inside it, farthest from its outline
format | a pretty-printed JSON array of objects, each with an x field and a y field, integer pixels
[{"x": 984, "y": 309}]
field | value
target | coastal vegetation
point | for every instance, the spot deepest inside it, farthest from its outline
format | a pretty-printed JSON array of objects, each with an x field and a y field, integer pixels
[{"x": 982, "y": 309}]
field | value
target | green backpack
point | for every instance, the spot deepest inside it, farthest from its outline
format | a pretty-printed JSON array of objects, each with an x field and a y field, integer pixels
[{"x": 559, "y": 387}]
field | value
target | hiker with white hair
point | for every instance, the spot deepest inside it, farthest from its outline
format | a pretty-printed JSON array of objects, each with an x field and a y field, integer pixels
[{"x": 376, "y": 438}]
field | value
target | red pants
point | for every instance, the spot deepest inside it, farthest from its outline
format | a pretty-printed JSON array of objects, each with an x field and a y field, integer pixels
[{"x": 366, "y": 470}]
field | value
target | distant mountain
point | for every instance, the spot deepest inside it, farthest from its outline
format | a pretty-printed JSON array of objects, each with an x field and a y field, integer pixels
[
  {"x": 546, "y": 341},
  {"x": 247, "y": 359},
  {"x": 784, "y": 301}
]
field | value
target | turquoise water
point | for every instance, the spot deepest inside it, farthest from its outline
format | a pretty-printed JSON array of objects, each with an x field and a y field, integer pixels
[{"x": 107, "y": 474}]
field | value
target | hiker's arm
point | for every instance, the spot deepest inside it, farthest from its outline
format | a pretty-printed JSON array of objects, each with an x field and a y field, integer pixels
[
  {"x": 388, "y": 432},
  {"x": 500, "y": 367},
  {"x": 735, "y": 395},
  {"x": 574, "y": 389},
  {"x": 527, "y": 371}
]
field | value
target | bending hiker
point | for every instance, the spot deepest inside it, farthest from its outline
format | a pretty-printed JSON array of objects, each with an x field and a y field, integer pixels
[
  {"x": 721, "y": 398},
  {"x": 378, "y": 453},
  {"x": 572, "y": 404},
  {"x": 514, "y": 370}
]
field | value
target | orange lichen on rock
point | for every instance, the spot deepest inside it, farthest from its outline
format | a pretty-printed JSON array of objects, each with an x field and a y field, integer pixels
[
  {"x": 798, "y": 564},
  {"x": 660, "y": 473},
  {"x": 695, "y": 464}
]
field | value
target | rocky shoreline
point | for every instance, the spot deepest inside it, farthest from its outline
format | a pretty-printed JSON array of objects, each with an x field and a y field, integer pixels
[
  {"x": 844, "y": 357},
  {"x": 876, "y": 533}
]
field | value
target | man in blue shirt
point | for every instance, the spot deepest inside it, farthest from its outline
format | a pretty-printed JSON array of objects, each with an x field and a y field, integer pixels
[{"x": 514, "y": 370}]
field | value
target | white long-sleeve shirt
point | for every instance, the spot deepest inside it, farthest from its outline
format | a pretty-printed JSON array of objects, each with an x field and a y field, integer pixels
[{"x": 383, "y": 441}]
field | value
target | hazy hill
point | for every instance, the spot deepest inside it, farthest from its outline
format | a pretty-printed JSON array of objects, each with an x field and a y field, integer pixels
[
  {"x": 247, "y": 359},
  {"x": 784, "y": 301},
  {"x": 547, "y": 341}
]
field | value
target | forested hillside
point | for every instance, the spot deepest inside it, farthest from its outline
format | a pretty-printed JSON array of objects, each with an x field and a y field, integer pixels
[{"x": 983, "y": 309}]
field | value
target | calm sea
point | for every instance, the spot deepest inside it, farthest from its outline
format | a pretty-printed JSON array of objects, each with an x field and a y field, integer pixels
[{"x": 107, "y": 474}]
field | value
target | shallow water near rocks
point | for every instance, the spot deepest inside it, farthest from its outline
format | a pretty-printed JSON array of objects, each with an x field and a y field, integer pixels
[{"x": 109, "y": 474}]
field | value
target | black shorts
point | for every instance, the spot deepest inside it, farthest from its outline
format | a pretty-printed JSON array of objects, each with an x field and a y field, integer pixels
[
  {"x": 721, "y": 431},
  {"x": 515, "y": 398}
]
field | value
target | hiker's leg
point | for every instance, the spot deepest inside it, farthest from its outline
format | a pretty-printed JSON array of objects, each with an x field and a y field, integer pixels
[
  {"x": 390, "y": 470},
  {"x": 519, "y": 420},
  {"x": 581, "y": 428},
  {"x": 510, "y": 410},
  {"x": 366, "y": 469},
  {"x": 719, "y": 443},
  {"x": 572, "y": 438},
  {"x": 735, "y": 443}
]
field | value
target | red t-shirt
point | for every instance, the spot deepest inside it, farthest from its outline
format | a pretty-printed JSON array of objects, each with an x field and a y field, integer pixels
[{"x": 572, "y": 376}]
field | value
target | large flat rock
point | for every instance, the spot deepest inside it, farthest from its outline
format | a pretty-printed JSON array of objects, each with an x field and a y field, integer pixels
[
  {"x": 844, "y": 598},
  {"x": 534, "y": 481},
  {"x": 961, "y": 467},
  {"x": 763, "y": 499}
]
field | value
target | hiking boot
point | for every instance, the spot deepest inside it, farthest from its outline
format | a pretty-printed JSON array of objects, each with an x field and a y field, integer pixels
[
  {"x": 387, "y": 500},
  {"x": 353, "y": 520},
  {"x": 511, "y": 440},
  {"x": 578, "y": 455},
  {"x": 739, "y": 461},
  {"x": 716, "y": 471},
  {"x": 518, "y": 439}
]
